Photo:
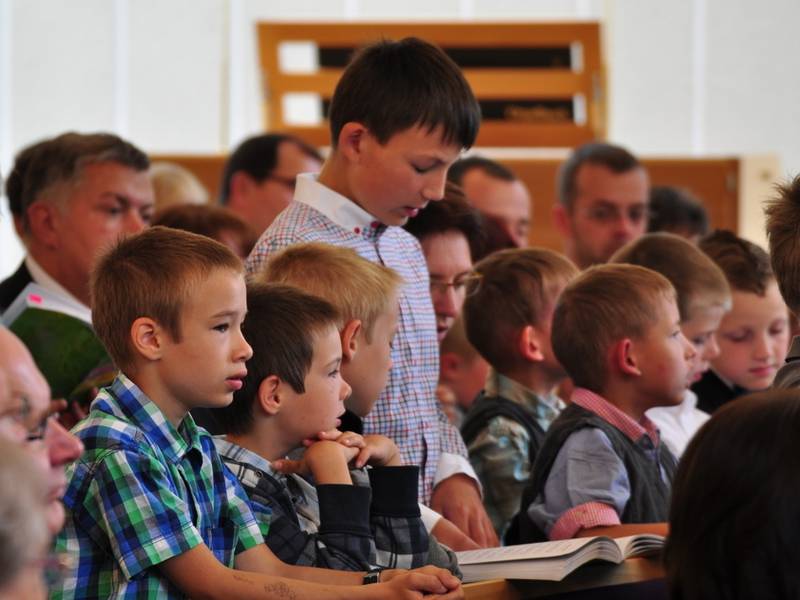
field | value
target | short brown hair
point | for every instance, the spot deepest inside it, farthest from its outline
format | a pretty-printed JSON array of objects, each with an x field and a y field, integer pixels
[
  {"x": 746, "y": 265},
  {"x": 391, "y": 86},
  {"x": 452, "y": 213},
  {"x": 698, "y": 281},
  {"x": 512, "y": 289},
  {"x": 456, "y": 342},
  {"x": 281, "y": 325},
  {"x": 605, "y": 304},
  {"x": 358, "y": 288},
  {"x": 614, "y": 158},
  {"x": 210, "y": 221},
  {"x": 151, "y": 274},
  {"x": 783, "y": 233},
  {"x": 60, "y": 161}
]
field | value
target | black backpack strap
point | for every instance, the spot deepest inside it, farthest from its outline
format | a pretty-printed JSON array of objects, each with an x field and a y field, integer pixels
[{"x": 486, "y": 408}]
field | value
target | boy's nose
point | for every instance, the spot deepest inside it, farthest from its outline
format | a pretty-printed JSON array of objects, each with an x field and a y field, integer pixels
[
  {"x": 345, "y": 391},
  {"x": 245, "y": 351},
  {"x": 434, "y": 186},
  {"x": 689, "y": 350},
  {"x": 712, "y": 348}
]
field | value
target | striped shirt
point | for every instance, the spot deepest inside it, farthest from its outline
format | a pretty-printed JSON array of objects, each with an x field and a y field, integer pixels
[
  {"x": 144, "y": 492},
  {"x": 407, "y": 411}
]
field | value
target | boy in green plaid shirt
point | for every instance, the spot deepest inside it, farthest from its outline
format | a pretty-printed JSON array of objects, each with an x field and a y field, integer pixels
[{"x": 152, "y": 511}]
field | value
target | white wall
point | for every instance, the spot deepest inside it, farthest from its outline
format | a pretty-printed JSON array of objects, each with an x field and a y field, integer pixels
[{"x": 688, "y": 76}]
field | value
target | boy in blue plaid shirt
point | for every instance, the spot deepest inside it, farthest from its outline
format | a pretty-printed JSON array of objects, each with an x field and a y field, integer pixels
[{"x": 152, "y": 511}]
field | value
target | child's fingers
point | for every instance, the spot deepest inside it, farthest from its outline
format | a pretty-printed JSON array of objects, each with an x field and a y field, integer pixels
[
  {"x": 363, "y": 457},
  {"x": 331, "y": 434},
  {"x": 354, "y": 440},
  {"x": 288, "y": 466}
]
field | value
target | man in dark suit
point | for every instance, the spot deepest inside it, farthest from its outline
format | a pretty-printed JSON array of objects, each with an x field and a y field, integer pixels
[{"x": 71, "y": 196}]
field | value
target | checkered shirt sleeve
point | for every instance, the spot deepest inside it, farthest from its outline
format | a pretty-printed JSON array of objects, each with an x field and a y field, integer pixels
[
  {"x": 407, "y": 410},
  {"x": 130, "y": 508}
]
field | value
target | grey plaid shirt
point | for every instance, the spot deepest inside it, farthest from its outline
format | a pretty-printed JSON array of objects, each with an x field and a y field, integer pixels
[{"x": 375, "y": 522}]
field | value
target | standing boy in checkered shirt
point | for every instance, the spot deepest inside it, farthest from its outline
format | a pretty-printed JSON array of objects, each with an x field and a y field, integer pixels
[
  {"x": 152, "y": 511},
  {"x": 400, "y": 116}
]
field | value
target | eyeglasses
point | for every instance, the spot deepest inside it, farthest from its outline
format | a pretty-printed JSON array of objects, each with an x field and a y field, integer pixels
[{"x": 458, "y": 285}]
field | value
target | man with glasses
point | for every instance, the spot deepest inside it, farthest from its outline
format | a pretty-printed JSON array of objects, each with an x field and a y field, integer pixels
[
  {"x": 258, "y": 181},
  {"x": 25, "y": 418},
  {"x": 603, "y": 202},
  {"x": 451, "y": 237}
]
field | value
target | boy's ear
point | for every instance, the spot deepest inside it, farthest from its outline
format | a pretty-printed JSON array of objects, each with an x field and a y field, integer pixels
[
  {"x": 148, "y": 338},
  {"x": 351, "y": 139},
  {"x": 529, "y": 344},
  {"x": 449, "y": 366},
  {"x": 350, "y": 339},
  {"x": 268, "y": 397},
  {"x": 625, "y": 358}
]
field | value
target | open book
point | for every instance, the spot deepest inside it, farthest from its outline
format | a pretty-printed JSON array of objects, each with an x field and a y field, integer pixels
[
  {"x": 59, "y": 335},
  {"x": 552, "y": 560}
]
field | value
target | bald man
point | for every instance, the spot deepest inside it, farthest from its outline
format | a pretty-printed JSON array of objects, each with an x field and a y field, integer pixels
[{"x": 25, "y": 419}]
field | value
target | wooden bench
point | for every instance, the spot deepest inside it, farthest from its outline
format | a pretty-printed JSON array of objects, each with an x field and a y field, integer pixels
[{"x": 539, "y": 84}]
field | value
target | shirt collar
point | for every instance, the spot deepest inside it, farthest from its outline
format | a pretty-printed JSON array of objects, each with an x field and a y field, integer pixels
[
  {"x": 43, "y": 278},
  {"x": 125, "y": 400},
  {"x": 614, "y": 416},
  {"x": 338, "y": 208},
  {"x": 546, "y": 407}
]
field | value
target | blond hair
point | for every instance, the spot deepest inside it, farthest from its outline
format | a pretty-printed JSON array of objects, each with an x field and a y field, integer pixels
[
  {"x": 512, "y": 289},
  {"x": 358, "y": 288},
  {"x": 603, "y": 305},
  {"x": 174, "y": 184},
  {"x": 151, "y": 274},
  {"x": 783, "y": 233},
  {"x": 699, "y": 283}
]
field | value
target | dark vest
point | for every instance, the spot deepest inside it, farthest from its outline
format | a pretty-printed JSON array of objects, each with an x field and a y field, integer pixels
[
  {"x": 649, "y": 500},
  {"x": 486, "y": 408}
]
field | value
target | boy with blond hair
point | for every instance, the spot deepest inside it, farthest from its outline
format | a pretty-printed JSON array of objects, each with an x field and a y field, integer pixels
[
  {"x": 153, "y": 512},
  {"x": 506, "y": 424},
  {"x": 783, "y": 217},
  {"x": 345, "y": 518},
  {"x": 754, "y": 335},
  {"x": 602, "y": 469},
  {"x": 703, "y": 298},
  {"x": 400, "y": 115},
  {"x": 366, "y": 294}
]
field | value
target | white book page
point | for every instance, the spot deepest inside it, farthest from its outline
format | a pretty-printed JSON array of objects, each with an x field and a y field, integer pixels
[
  {"x": 36, "y": 296},
  {"x": 555, "y": 549},
  {"x": 640, "y": 545}
]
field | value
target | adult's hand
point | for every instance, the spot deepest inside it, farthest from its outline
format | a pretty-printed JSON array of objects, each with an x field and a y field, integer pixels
[{"x": 457, "y": 499}]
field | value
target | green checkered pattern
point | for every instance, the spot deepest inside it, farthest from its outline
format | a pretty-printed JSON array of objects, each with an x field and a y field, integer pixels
[{"x": 144, "y": 492}]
